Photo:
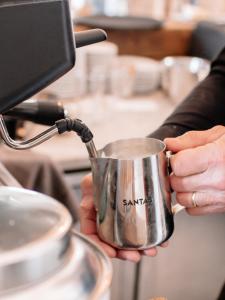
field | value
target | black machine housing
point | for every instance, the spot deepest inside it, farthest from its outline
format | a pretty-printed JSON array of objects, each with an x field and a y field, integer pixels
[{"x": 36, "y": 47}]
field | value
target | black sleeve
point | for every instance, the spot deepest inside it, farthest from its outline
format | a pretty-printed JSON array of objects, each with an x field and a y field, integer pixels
[{"x": 202, "y": 109}]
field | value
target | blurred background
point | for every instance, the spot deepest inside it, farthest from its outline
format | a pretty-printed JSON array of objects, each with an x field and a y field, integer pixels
[
  {"x": 157, "y": 51},
  {"x": 172, "y": 9}
]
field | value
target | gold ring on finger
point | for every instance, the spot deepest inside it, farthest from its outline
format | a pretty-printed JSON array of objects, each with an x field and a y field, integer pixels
[{"x": 193, "y": 200}]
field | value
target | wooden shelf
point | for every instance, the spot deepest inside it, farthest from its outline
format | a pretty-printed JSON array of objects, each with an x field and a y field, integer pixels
[{"x": 172, "y": 39}]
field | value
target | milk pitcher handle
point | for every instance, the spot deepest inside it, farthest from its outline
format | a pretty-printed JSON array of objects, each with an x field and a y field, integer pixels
[{"x": 177, "y": 207}]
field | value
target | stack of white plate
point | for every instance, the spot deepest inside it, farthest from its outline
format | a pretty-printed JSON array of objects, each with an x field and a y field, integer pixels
[
  {"x": 144, "y": 74},
  {"x": 148, "y": 72},
  {"x": 90, "y": 74},
  {"x": 74, "y": 83},
  {"x": 100, "y": 58}
]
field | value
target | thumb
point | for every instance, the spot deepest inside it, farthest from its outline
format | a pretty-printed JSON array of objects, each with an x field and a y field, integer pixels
[
  {"x": 194, "y": 139},
  {"x": 86, "y": 185}
]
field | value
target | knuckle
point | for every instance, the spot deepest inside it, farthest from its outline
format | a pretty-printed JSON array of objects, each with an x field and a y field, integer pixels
[
  {"x": 178, "y": 184},
  {"x": 220, "y": 182},
  {"x": 219, "y": 149},
  {"x": 214, "y": 153},
  {"x": 177, "y": 164},
  {"x": 196, "y": 211},
  {"x": 218, "y": 128},
  {"x": 174, "y": 163},
  {"x": 191, "y": 211},
  {"x": 208, "y": 199},
  {"x": 182, "y": 199},
  {"x": 83, "y": 206},
  {"x": 215, "y": 177},
  {"x": 86, "y": 204},
  {"x": 172, "y": 181},
  {"x": 214, "y": 199},
  {"x": 190, "y": 134}
]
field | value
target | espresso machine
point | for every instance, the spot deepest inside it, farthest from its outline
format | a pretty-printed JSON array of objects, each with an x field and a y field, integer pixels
[
  {"x": 40, "y": 255},
  {"x": 37, "y": 47}
]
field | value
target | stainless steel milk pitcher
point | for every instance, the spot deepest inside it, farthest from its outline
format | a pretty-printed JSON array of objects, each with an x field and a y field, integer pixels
[{"x": 132, "y": 193}]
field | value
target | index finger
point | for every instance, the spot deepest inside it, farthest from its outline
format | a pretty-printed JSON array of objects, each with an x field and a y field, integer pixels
[
  {"x": 192, "y": 139},
  {"x": 193, "y": 161}
]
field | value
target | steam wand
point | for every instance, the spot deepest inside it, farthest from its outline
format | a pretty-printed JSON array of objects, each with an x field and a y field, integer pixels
[{"x": 61, "y": 126}]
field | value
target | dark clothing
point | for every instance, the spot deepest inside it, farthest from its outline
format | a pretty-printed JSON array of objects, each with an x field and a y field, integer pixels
[
  {"x": 203, "y": 108},
  {"x": 222, "y": 294}
]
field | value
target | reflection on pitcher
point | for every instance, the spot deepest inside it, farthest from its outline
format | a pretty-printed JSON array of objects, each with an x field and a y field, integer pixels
[{"x": 132, "y": 194}]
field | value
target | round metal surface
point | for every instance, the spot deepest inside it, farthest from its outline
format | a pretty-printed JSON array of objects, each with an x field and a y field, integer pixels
[
  {"x": 85, "y": 275},
  {"x": 34, "y": 237}
]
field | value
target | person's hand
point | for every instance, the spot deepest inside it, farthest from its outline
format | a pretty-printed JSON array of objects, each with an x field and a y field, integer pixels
[
  {"x": 198, "y": 167},
  {"x": 88, "y": 226}
]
